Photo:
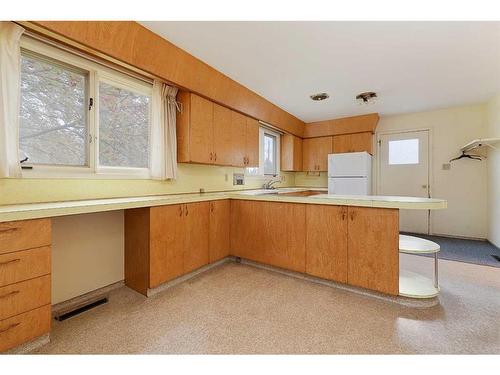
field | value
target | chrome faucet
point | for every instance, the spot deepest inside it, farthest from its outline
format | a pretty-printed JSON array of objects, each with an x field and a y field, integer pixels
[{"x": 269, "y": 184}]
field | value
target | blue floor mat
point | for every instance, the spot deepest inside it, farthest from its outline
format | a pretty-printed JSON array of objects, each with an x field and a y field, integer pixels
[{"x": 468, "y": 251}]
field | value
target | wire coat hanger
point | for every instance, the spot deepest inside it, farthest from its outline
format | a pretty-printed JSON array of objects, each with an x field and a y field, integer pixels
[{"x": 464, "y": 155}]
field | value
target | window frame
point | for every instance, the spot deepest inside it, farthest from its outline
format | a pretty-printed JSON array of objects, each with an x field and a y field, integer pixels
[
  {"x": 96, "y": 73},
  {"x": 260, "y": 174}
]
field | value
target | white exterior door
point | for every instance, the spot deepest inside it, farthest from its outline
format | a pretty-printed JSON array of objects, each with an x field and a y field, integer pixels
[{"x": 403, "y": 170}]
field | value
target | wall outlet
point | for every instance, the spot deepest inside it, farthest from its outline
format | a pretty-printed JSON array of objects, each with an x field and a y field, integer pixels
[
  {"x": 446, "y": 167},
  {"x": 238, "y": 179}
]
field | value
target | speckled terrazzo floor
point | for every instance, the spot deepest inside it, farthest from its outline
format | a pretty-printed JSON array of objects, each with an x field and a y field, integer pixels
[{"x": 239, "y": 309}]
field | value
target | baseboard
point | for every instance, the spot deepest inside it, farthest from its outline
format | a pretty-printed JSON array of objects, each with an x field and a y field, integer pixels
[
  {"x": 405, "y": 301},
  {"x": 170, "y": 284},
  {"x": 29, "y": 346},
  {"x": 84, "y": 299}
]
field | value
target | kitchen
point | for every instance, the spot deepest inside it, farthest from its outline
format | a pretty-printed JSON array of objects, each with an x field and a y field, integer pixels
[{"x": 232, "y": 211}]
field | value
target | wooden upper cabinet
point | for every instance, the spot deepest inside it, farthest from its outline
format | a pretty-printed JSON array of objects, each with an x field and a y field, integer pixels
[
  {"x": 315, "y": 153},
  {"x": 218, "y": 242},
  {"x": 326, "y": 242},
  {"x": 238, "y": 131},
  {"x": 373, "y": 249},
  {"x": 353, "y": 143},
  {"x": 252, "y": 142},
  {"x": 223, "y": 137},
  {"x": 291, "y": 153},
  {"x": 201, "y": 131},
  {"x": 208, "y": 133}
]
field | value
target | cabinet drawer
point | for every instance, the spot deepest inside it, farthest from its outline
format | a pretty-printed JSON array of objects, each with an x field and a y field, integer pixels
[
  {"x": 25, "y": 234},
  {"x": 24, "y": 327},
  {"x": 24, "y": 296},
  {"x": 24, "y": 265}
]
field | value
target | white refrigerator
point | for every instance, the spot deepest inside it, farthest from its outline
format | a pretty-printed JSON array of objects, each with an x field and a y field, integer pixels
[{"x": 350, "y": 173}]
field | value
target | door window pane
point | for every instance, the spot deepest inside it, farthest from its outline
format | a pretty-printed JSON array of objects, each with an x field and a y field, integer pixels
[
  {"x": 53, "y": 113},
  {"x": 269, "y": 154},
  {"x": 124, "y": 125},
  {"x": 403, "y": 151}
]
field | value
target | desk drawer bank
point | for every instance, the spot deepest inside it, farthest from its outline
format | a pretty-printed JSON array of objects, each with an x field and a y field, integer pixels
[{"x": 25, "y": 282}]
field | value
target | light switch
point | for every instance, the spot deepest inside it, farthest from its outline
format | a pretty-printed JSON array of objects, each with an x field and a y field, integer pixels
[{"x": 446, "y": 167}]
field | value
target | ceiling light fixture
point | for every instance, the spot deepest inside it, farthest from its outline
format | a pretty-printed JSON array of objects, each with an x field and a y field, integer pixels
[
  {"x": 319, "y": 97},
  {"x": 366, "y": 98}
]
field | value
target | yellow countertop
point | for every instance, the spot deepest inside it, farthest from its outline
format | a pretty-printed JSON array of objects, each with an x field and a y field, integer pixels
[{"x": 39, "y": 210}]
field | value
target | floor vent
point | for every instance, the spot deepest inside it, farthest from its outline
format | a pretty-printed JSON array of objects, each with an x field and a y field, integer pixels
[
  {"x": 496, "y": 257},
  {"x": 81, "y": 309}
]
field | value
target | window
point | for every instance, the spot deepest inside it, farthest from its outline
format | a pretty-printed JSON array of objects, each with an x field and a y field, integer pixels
[
  {"x": 53, "y": 118},
  {"x": 79, "y": 118},
  {"x": 404, "y": 151},
  {"x": 124, "y": 127},
  {"x": 269, "y": 157},
  {"x": 270, "y": 167}
]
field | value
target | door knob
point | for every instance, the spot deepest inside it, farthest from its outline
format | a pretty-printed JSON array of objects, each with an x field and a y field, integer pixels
[{"x": 424, "y": 186}]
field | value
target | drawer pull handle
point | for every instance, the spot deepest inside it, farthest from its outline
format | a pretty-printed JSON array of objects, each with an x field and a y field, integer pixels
[
  {"x": 5, "y": 230},
  {"x": 9, "y": 327},
  {"x": 10, "y": 262},
  {"x": 13, "y": 293}
]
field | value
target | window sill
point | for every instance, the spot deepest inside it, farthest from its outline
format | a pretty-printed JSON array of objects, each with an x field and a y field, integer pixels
[{"x": 72, "y": 173}]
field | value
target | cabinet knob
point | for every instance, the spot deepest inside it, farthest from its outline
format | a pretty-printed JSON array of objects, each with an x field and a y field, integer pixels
[
  {"x": 215, "y": 156},
  {"x": 211, "y": 156},
  {"x": 180, "y": 210},
  {"x": 187, "y": 212}
]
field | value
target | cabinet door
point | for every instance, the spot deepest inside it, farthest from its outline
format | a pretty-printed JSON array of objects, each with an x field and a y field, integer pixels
[
  {"x": 245, "y": 223},
  {"x": 353, "y": 143},
  {"x": 326, "y": 242},
  {"x": 238, "y": 131},
  {"x": 291, "y": 153},
  {"x": 223, "y": 144},
  {"x": 373, "y": 249},
  {"x": 195, "y": 235},
  {"x": 218, "y": 243},
  {"x": 252, "y": 142},
  {"x": 167, "y": 244},
  {"x": 269, "y": 232},
  {"x": 316, "y": 152},
  {"x": 201, "y": 131}
]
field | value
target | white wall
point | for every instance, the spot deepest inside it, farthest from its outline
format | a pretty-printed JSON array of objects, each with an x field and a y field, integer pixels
[
  {"x": 87, "y": 253},
  {"x": 494, "y": 173},
  {"x": 464, "y": 185}
]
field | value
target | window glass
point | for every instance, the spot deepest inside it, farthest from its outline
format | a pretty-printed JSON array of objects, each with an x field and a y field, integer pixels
[
  {"x": 269, "y": 154},
  {"x": 53, "y": 123},
  {"x": 404, "y": 151},
  {"x": 123, "y": 127}
]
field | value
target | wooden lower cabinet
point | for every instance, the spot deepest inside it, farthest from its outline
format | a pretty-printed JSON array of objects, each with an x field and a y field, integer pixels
[
  {"x": 196, "y": 230},
  {"x": 166, "y": 252},
  {"x": 269, "y": 232},
  {"x": 373, "y": 249},
  {"x": 219, "y": 232},
  {"x": 326, "y": 242},
  {"x": 24, "y": 327},
  {"x": 165, "y": 242}
]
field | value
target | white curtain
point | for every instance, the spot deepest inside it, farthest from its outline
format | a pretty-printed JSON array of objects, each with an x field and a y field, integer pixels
[
  {"x": 163, "y": 132},
  {"x": 10, "y": 82}
]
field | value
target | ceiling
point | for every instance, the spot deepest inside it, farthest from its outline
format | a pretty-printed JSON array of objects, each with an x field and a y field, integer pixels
[{"x": 413, "y": 66}]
